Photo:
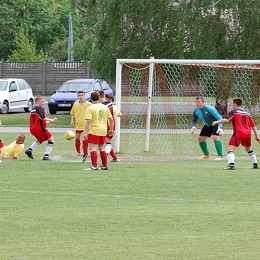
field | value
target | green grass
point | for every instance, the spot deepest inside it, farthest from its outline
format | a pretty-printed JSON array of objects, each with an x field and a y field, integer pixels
[{"x": 183, "y": 209}]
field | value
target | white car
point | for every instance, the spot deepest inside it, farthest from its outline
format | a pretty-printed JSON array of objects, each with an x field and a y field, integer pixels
[{"x": 15, "y": 93}]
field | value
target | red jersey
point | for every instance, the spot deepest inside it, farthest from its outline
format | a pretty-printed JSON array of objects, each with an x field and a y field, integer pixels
[
  {"x": 241, "y": 121},
  {"x": 110, "y": 106},
  {"x": 36, "y": 119}
]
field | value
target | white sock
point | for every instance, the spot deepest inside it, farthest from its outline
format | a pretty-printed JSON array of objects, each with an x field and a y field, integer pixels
[
  {"x": 252, "y": 157},
  {"x": 34, "y": 145},
  {"x": 231, "y": 157}
]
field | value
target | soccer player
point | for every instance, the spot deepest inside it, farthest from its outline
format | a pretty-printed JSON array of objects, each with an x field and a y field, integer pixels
[
  {"x": 77, "y": 113},
  {"x": 38, "y": 128},
  {"x": 115, "y": 113},
  {"x": 97, "y": 116},
  {"x": 207, "y": 114},
  {"x": 13, "y": 150},
  {"x": 242, "y": 123}
]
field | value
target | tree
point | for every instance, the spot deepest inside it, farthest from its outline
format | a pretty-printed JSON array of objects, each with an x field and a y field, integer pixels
[
  {"x": 175, "y": 29},
  {"x": 43, "y": 20},
  {"x": 25, "y": 49}
]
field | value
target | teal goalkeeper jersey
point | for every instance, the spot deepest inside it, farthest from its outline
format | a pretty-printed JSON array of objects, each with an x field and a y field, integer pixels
[{"x": 207, "y": 115}]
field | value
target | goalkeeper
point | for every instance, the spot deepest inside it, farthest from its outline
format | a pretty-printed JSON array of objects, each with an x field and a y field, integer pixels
[{"x": 207, "y": 114}]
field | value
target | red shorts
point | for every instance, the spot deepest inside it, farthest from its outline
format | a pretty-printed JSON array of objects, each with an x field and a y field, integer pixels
[
  {"x": 95, "y": 139},
  {"x": 79, "y": 131},
  {"x": 41, "y": 136},
  {"x": 237, "y": 140},
  {"x": 1, "y": 144}
]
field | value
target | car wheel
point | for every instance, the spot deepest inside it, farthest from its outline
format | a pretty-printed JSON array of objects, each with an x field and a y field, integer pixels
[
  {"x": 53, "y": 112},
  {"x": 5, "y": 108},
  {"x": 29, "y": 106}
]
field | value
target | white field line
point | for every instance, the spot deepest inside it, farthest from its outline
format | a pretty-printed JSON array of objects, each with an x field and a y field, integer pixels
[{"x": 134, "y": 197}]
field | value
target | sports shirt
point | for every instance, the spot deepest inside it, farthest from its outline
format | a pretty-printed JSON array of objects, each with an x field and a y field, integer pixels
[
  {"x": 13, "y": 149},
  {"x": 79, "y": 111},
  {"x": 241, "y": 121},
  {"x": 98, "y": 114},
  {"x": 207, "y": 115}
]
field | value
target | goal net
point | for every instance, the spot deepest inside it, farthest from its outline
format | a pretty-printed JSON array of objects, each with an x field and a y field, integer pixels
[{"x": 157, "y": 99}]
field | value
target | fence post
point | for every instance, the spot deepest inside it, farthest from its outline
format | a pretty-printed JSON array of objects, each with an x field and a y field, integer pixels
[
  {"x": 44, "y": 78},
  {"x": 1, "y": 69},
  {"x": 87, "y": 70}
]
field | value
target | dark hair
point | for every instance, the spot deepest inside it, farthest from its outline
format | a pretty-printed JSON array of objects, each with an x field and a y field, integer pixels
[
  {"x": 110, "y": 97},
  {"x": 200, "y": 97},
  {"x": 102, "y": 93},
  {"x": 238, "y": 101},
  {"x": 81, "y": 92},
  {"x": 95, "y": 96}
]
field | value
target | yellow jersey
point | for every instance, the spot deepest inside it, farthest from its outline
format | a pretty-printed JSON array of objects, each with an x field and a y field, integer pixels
[
  {"x": 98, "y": 114},
  {"x": 78, "y": 110},
  {"x": 13, "y": 149}
]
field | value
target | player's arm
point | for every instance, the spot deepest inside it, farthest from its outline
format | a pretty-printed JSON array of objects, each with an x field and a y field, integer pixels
[
  {"x": 111, "y": 124},
  {"x": 72, "y": 117},
  {"x": 193, "y": 122},
  {"x": 256, "y": 133},
  {"x": 7, "y": 157},
  {"x": 222, "y": 121},
  {"x": 88, "y": 122},
  {"x": 213, "y": 111}
]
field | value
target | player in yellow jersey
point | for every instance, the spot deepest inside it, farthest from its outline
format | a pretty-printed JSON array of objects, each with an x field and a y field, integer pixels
[
  {"x": 77, "y": 113},
  {"x": 97, "y": 116},
  {"x": 13, "y": 150}
]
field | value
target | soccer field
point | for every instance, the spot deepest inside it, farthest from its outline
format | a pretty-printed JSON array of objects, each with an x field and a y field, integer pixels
[{"x": 139, "y": 209}]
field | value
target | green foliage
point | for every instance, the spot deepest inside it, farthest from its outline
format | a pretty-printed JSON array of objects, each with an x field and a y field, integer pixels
[{"x": 25, "y": 49}]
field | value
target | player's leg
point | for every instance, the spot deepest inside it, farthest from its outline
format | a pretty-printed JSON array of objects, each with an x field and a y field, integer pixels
[
  {"x": 40, "y": 136},
  {"x": 103, "y": 154},
  {"x": 247, "y": 144},
  {"x": 232, "y": 145},
  {"x": 77, "y": 142},
  {"x": 218, "y": 143},
  {"x": 93, "y": 141},
  {"x": 204, "y": 134},
  {"x": 85, "y": 149},
  {"x": 49, "y": 146}
]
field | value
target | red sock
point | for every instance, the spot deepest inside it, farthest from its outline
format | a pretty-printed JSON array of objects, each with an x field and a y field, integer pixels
[
  {"x": 103, "y": 156},
  {"x": 85, "y": 146},
  {"x": 94, "y": 159},
  {"x": 112, "y": 153},
  {"x": 77, "y": 145}
]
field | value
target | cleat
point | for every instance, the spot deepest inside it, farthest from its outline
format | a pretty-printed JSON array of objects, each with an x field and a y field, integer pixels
[
  {"x": 46, "y": 158},
  {"x": 103, "y": 168},
  {"x": 91, "y": 168},
  {"x": 116, "y": 160},
  {"x": 84, "y": 158},
  {"x": 229, "y": 167},
  {"x": 76, "y": 154},
  {"x": 255, "y": 166},
  {"x": 204, "y": 157},
  {"x": 0, "y": 163},
  {"x": 28, "y": 152},
  {"x": 219, "y": 158}
]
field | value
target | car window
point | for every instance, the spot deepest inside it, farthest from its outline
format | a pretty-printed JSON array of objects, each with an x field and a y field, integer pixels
[
  {"x": 97, "y": 86},
  {"x": 3, "y": 85},
  {"x": 104, "y": 85},
  {"x": 75, "y": 87},
  {"x": 21, "y": 84},
  {"x": 13, "y": 87}
]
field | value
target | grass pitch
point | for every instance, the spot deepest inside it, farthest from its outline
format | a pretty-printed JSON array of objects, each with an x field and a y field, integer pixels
[{"x": 181, "y": 209}]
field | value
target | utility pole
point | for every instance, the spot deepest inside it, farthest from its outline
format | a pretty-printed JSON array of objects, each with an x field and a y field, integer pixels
[{"x": 70, "y": 43}]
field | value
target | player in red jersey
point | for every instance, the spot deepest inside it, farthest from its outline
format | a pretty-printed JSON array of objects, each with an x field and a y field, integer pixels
[
  {"x": 242, "y": 124},
  {"x": 38, "y": 128}
]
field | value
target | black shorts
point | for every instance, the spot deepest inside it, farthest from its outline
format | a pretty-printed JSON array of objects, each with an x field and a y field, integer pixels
[{"x": 209, "y": 130}]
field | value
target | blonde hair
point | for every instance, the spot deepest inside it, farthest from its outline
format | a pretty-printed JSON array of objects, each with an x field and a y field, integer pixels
[{"x": 38, "y": 98}]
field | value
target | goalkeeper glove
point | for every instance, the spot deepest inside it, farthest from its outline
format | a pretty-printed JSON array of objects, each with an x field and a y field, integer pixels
[
  {"x": 192, "y": 130},
  {"x": 220, "y": 132}
]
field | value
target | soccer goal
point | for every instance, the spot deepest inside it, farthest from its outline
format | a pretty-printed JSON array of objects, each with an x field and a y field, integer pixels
[{"x": 157, "y": 99}]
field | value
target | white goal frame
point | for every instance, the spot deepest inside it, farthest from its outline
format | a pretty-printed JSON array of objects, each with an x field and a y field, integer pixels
[{"x": 152, "y": 62}]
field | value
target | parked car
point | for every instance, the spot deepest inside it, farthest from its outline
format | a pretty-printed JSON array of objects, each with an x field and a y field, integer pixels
[
  {"x": 66, "y": 95},
  {"x": 15, "y": 93}
]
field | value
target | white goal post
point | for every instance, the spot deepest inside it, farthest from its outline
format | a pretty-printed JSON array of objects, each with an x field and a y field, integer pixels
[{"x": 156, "y": 98}]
